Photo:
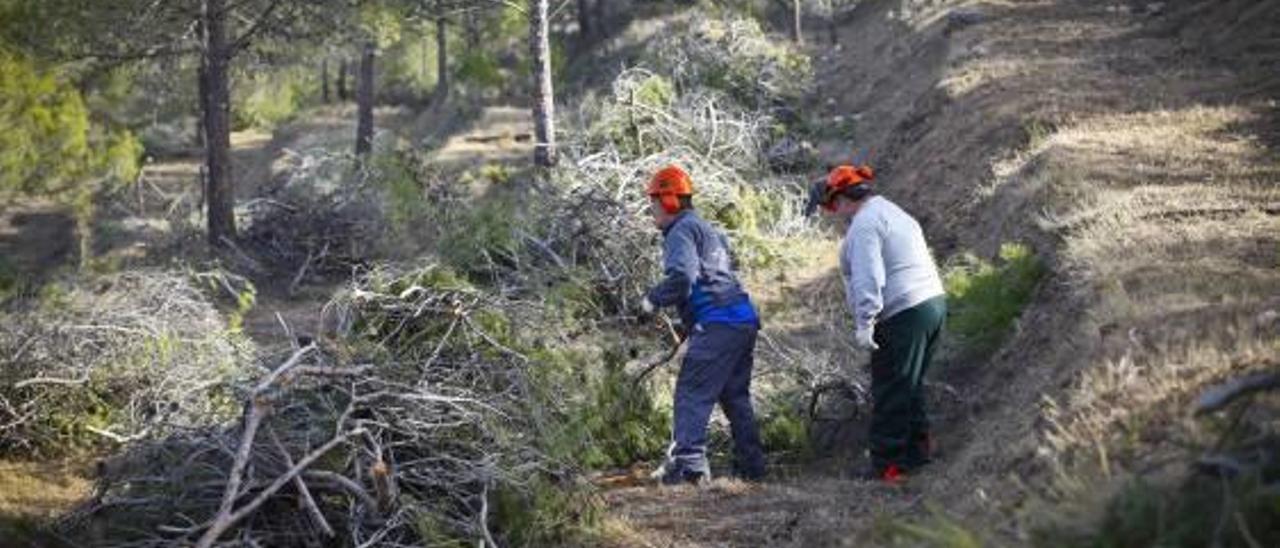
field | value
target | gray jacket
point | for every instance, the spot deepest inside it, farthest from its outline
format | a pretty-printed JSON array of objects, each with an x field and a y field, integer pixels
[{"x": 886, "y": 264}]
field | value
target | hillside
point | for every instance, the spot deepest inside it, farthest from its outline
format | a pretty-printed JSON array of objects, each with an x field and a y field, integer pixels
[{"x": 1135, "y": 149}]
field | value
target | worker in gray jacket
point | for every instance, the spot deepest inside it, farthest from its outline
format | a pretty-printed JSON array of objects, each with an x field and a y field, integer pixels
[
  {"x": 898, "y": 304},
  {"x": 698, "y": 280}
]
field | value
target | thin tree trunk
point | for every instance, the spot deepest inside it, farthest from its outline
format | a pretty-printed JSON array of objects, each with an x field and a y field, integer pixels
[
  {"x": 216, "y": 104},
  {"x": 364, "y": 100},
  {"x": 585, "y": 28},
  {"x": 344, "y": 68},
  {"x": 324, "y": 80},
  {"x": 442, "y": 60},
  {"x": 473, "y": 30},
  {"x": 598, "y": 17},
  {"x": 544, "y": 152},
  {"x": 796, "y": 35}
]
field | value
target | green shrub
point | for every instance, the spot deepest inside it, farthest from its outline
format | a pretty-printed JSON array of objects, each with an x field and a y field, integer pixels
[
  {"x": 482, "y": 235},
  {"x": 45, "y": 144},
  {"x": 546, "y": 512},
  {"x": 986, "y": 298},
  {"x": 604, "y": 420},
  {"x": 271, "y": 98},
  {"x": 1187, "y": 515},
  {"x": 938, "y": 530},
  {"x": 627, "y": 424},
  {"x": 655, "y": 91},
  {"x": 122, "y": 156},
  {"x": 480, "y": 69},
  {"x": 784, "y": 430},
  {"x": 405, "y": 202},
  {"x": 752, "y": 211},
  {"x": 408, "y": 67}
]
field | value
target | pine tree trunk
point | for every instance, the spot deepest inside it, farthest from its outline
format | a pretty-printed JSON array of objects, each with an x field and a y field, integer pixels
[
  {"x": 544, "y": 152},
  {"x": 344, "y": 68},
  {"x": 585, "y": 28},
  {"x": 216, "y": 105},
  {"x": 598, "y": 17},
  {"x": 364, "y": 100},
  {"x": 324, "y": 80},
  {"x": 442, "y": 60},
  {"x": 474, "y": 35},
  {"x": 796, "y": 35}
]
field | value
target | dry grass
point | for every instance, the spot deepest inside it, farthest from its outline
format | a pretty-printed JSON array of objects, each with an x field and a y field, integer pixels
[
  {"x": 41, "y": 490},
  {"x": 33, "y": 494}
]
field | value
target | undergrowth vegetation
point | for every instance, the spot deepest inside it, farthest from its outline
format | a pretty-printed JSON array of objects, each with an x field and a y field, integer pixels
[{"x": 985, "y": 298}]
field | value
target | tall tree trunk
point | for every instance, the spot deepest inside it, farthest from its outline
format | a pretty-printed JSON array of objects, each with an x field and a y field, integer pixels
[
  {"x": 442, "y": 60},
  {"x": 544, "y": 152},
  {"x": 364, "y": 100},
  {"x": 585, "y": 28},
  {"x": 599, "y": 16},
  {"x": 324, "y": 80},
  {"x": 474, "y": 35},
  {"x": 344, "y": 68},
  {"x": 216, "y": 104},
  {"x": 796, "y": 12}
]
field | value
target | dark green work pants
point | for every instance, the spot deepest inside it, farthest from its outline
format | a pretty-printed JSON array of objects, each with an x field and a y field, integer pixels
[{"x": 899, "y": 422}]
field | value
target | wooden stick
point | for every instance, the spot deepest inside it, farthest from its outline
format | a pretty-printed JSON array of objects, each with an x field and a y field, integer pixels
[
  {"x": 1220, "y": 396},
  {"x": 303, "y": 491},
  {"x": 224, "y": 521}
]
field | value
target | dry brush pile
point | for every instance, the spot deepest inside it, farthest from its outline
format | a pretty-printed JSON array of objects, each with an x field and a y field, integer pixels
[
  {"x": 115, "y": 359},
  {"x": 414, "y": 421}
]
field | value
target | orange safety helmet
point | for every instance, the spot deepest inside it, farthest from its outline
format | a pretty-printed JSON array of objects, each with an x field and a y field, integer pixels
[
  {"x": 668, "y": 185},
  {"x": 843, "y": 178}
]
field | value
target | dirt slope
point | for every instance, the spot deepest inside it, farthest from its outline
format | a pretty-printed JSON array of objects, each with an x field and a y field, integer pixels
[{"x": 1135, "y": 149}]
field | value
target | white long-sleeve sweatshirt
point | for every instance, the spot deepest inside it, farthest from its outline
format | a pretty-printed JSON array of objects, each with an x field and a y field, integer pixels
[{"x": 886, "y": 264}]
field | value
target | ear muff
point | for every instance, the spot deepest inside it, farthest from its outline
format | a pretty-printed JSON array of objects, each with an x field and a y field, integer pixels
[
  {"x": 668, "y": 185},
  {"x": 849, "y": 181},
  {"x": 670, "y": 203}
]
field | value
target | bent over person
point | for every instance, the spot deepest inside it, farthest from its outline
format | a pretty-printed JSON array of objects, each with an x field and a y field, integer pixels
[
  {"x": 898, "y": 304},
  {"x": 698, "y": 280}
]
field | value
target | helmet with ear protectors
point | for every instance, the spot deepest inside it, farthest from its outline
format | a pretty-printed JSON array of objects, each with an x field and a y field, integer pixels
[
  {"x": 851, "y": 181},
  {"x": 668, "y": 185}
]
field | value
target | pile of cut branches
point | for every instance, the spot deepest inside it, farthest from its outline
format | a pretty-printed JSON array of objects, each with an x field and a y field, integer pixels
[
  {"x": 398, "y": 428},
  {"x": 323, "y": 220},
  {"x": 115, "y": 359}
]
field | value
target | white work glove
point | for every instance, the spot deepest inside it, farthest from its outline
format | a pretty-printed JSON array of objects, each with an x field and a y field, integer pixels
[
  {"x": 646, "y": 305},
  {"x": 864, "y": 338}
]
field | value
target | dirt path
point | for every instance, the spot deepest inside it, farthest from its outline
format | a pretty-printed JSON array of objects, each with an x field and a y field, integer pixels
[{"x": 501, "y": 134}]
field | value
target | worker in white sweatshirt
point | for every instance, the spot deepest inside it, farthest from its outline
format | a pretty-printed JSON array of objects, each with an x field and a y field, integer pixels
[{"x": 898, "y": 304}]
